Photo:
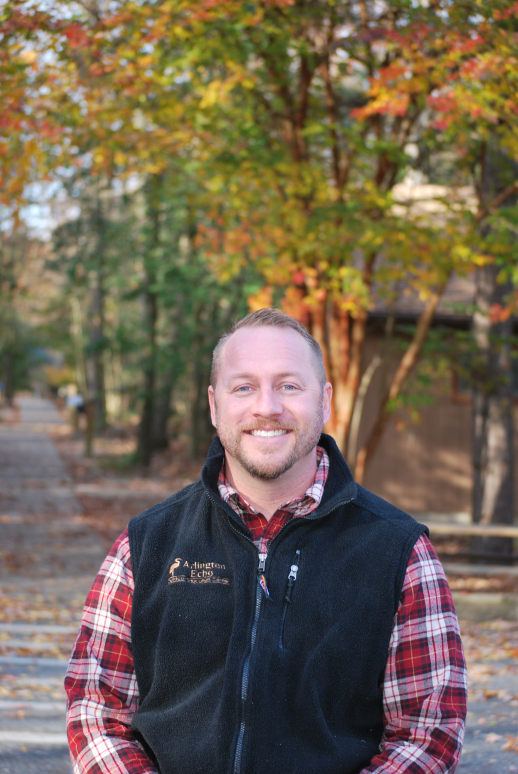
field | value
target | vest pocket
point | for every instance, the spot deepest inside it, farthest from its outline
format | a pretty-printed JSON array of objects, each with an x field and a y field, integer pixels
[{"x": 292, "y": 577}]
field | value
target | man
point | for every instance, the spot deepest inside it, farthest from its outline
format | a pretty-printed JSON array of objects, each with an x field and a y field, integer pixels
[{"x": 274, "y": 617}]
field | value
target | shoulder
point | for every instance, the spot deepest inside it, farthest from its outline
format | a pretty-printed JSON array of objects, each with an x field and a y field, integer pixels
[
  {"x": 155, "y": 527},
  {"x": 392, "y": 532},
  {"x": 175, "y": 504},
  {"x": 375, "y": 508}
]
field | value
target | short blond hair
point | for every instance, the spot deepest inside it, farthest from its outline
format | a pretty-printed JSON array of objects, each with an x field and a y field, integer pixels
[{"x": 269, "y": 317}]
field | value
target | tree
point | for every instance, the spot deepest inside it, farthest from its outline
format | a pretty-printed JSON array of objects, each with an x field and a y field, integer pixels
[
  {"x": 301, "y": 115},
  {"x": 152, "y": 187},
  {"x": 478, "y": 118},
  {"x": 298, "y": 119},
  {"x": 24, "y": 290},
  {"x": 307, "y": 111},
  {"x": 90, "y": 249}
]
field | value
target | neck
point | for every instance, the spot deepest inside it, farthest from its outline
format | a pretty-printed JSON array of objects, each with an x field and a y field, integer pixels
[{"x": 267, "y": 497}]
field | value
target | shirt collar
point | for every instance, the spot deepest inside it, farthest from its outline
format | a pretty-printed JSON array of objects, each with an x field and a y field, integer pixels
[{"x": 307, "y": 502}]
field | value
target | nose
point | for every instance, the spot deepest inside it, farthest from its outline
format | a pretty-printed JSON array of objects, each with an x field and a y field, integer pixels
[{"x": 267, "y": 403}]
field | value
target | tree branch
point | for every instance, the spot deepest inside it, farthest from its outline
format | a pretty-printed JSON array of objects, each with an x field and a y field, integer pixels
[
  {"x": 340, "y": 170},
  {"x": 406, "y": 364},
  {"x": 497, "y": 201}
]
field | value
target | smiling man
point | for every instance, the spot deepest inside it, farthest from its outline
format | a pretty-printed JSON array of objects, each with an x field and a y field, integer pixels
[
  {"x": 272, "y": 401},
  {"x": 273, "y": 617}
]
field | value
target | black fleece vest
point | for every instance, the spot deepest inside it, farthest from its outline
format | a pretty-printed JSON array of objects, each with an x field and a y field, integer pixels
[{"x": 232, "y": 682}]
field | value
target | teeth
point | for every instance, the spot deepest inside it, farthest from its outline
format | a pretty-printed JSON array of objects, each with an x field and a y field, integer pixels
[{"x": 267, "y": 433}]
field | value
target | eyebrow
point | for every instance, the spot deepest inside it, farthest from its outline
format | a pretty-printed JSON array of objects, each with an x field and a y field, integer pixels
[{"x": 285, "y": 375}]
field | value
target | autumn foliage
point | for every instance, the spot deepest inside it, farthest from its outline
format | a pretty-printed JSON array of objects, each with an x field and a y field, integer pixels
[{"x": 299, "y": 121}]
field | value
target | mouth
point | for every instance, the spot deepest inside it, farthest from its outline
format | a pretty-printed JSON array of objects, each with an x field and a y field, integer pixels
[{"x": 267, "y": 433}]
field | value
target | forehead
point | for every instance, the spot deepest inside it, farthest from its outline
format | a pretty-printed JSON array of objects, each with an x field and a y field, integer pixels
[{"x": 265, "y": 349}]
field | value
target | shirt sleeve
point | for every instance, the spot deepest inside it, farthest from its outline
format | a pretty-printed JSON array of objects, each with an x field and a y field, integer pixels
[
  {"x": 425, "y": 681},
  {"x": 100, "y": 682}
]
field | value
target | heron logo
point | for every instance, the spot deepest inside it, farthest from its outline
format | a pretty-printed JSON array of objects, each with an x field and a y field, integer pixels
[{"x": 182, "y": 571}]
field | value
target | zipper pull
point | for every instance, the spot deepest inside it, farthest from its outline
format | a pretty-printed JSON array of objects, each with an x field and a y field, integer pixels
[
  {"x": 260, "y": 575},
  {"x": 293, "y": 573},
  {"x": 292, "y": 577}
]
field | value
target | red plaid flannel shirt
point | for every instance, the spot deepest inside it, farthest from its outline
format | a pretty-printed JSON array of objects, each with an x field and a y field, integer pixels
[
  {"x": 264, "y": 531},
  {"x": 424, "y": 685}
]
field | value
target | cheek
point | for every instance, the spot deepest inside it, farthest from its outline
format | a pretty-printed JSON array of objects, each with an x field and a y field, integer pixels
[{"x": 230, "y": 412}]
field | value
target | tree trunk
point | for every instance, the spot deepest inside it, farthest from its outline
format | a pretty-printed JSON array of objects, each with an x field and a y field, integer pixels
[
  {"x": 492, "y": 421},
  {"x": 94, "y": 359},
  {"x": 162, "y": 411},
  {"x": 145, "y": 444},
  {"x": 403, "y": 370},
  {"x": 201, "y": 426},
  {"x": 8, "y": 366},
  {"x": 96, "y": 390},
  {"x": 198, "y": 408},
  {"x": 347, "y": 389},
  {"x": 77, "y": 336},
  {"x": 341, "y": 339},
  {"x": 318, "y": 326},
  {"x": 358, "y": 406},
  {"x": 169, "y": 373}
]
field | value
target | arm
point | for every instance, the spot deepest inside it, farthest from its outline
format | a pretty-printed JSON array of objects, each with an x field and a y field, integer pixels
[
  {"x": 100, "y": 681},
  {"x": 424, "y": 686}
]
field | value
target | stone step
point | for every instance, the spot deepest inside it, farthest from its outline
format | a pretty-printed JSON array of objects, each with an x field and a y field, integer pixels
[
  {"x": 28, "y": 645},
  {"x": 485, "y": 606},
  {"x": 33, "y": 737},
  {"x": 24, "y": 628},
  {"x": 45, "y": 682},
  {"x": 36, "y": 707},
  {"x": 457, "y": 568},
  {"x": 484, "y": 530},
  {"x": 34, "y": 661}
]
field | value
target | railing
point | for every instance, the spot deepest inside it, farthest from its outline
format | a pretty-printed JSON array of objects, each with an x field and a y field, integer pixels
[
  {"x": 437, "y": 528},
  {"x": 485, "y": 530}
]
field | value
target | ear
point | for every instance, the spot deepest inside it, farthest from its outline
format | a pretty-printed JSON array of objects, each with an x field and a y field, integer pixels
[
  {"x": 212, "y": 404},
  {"x": 326, "y": 401}
]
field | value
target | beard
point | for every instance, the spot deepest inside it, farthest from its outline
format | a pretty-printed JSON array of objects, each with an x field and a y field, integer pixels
[{"x": 266, "y": 466}]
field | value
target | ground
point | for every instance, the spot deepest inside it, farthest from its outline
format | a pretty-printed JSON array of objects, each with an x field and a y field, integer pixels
[{"x": 60, "y": 512}]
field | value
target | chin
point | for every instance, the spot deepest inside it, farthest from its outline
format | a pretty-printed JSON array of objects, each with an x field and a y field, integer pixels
[{"x": 267, "y": 471}]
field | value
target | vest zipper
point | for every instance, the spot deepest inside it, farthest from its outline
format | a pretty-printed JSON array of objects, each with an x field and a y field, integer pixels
[
  {"x": 292, "y": 577},
  {"x": 246, "y": 668},
  {"x": 258, "y": 600}
]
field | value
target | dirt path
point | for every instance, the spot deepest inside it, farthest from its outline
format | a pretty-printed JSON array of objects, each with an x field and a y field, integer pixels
[{"x": 48, "y": 558}]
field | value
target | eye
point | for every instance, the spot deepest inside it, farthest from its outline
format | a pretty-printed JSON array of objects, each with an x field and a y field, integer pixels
[
  {"x": 244, "y": 388},
  {"x": 289, "y": 388}
]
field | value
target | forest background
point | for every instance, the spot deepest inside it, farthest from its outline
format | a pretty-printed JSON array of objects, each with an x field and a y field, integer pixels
[{"x": 167, "y": 166}]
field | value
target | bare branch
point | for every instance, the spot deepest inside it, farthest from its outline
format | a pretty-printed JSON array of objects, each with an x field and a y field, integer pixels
[
  {"x": 406, "y": 364},
  {"x": 497, "y": 202},
  {"x": 332, "y": 112}
]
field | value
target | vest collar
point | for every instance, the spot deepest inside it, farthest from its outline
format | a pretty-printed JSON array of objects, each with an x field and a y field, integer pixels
[{"x": 340, "y": 486}]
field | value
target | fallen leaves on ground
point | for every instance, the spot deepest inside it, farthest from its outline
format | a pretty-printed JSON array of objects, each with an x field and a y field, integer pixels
[
  {"x": 490, "y": 641},
  {"x": 31, "y": 607},
  {"x": 492, "y": 738},
  {"x": 511, "y": 744},
  {"x": 499, "y": 584}
]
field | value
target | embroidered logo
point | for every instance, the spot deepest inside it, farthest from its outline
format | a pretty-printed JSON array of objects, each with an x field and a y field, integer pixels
[{"x": 182, "y": 571}]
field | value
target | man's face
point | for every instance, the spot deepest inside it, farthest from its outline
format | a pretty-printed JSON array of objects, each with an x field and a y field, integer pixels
[{"x": 268, "y": 406}]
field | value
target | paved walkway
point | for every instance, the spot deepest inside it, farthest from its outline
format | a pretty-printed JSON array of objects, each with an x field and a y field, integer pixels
[
  {"x": 47, "y": 561},
  {"x": 492, "y": 719}
]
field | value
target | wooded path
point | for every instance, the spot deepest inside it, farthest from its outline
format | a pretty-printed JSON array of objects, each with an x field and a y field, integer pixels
[{"x": 47, "y": 561}]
